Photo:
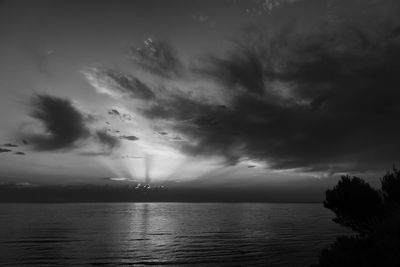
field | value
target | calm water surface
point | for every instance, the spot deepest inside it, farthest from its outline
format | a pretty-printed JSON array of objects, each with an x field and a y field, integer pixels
[{"x": 137, "y": 234}]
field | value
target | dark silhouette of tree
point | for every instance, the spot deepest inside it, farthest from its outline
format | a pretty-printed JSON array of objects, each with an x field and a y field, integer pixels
[
  {"x": 356, "y": 204},
  {"x": 391, "y": 186},
  {"x": 375, "y": 217}
]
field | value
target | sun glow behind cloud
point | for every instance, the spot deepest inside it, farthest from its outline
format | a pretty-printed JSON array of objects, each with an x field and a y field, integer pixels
[
  {"x": 156, "y": 139},
  {"x": 152, "y": 144}
]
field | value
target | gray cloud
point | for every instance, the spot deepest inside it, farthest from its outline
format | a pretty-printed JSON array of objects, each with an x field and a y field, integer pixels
[
  {"x": 63, "y": 124},
  {"x": 116, "y": 83},
  {"x": 10, "y": 145},
  {"x": 114, "y": 112},
  {"x": 158, "y": 57},
  {"x": 242, "y": 69},
  {"x": 124, "y": 117},
  {"x": 130, "y": 85},
  {"x": 109, "y": 141},
  {"x": 129, "y": 137},
  {"x": 94, "y": 154},
  {"x": 177, "y": 139}
]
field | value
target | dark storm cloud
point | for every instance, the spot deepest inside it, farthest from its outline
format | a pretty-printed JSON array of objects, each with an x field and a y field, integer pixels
[
  {"x": 242, "y": 69},
  {"x": 109, "y": 141},
  {"x": 63, "y": 124},
  {"x": 157, "y": 57},
  {"x": 321, "y": 100}
]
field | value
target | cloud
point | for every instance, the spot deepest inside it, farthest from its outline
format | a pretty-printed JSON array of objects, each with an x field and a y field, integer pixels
[
  {"x": 117, "y": 84},
  {"x": 175, "y": 106},
  {"x": 177, "y": 139},
  {"x": 124, "y": 117},
  {"x": 129, "y": 157},
  {"x": 64, "y": 125},
  {"x": 114, "y": 112},
  {"x": 10, "y": 145},
  {"x": 129, "y": 137},
  {"x": 94, "y": 153},
  {"x": 119, "y": 179},
  {"x": 315, "y": 99},
  {"x": 242, "y": 69},
  {"x": 109, "y": 141},
  {"x": 25, "y": 184},
  {"x": 159, "y": 58}
]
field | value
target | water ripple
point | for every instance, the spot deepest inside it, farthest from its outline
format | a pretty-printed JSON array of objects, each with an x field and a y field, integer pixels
[{"x": 164, "y": 234}]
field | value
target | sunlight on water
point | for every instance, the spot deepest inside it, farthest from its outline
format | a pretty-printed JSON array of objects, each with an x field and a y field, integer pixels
[{"x": 164, "y": 233}]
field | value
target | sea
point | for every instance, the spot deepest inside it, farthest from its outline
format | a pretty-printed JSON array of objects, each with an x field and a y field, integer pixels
[{"x": 174, "y": 234}]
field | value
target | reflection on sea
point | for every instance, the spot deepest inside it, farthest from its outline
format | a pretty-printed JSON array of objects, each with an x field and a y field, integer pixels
[{"x": 164, "y": 233}]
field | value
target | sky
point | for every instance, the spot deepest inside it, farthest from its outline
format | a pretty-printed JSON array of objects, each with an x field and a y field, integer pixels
[{"x": 228, "y": 93}]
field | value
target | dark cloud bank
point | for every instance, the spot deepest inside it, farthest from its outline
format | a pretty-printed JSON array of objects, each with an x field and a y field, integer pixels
[
  {"x": 64, "y": 126},
  {"x": 321, "y": 98}
]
